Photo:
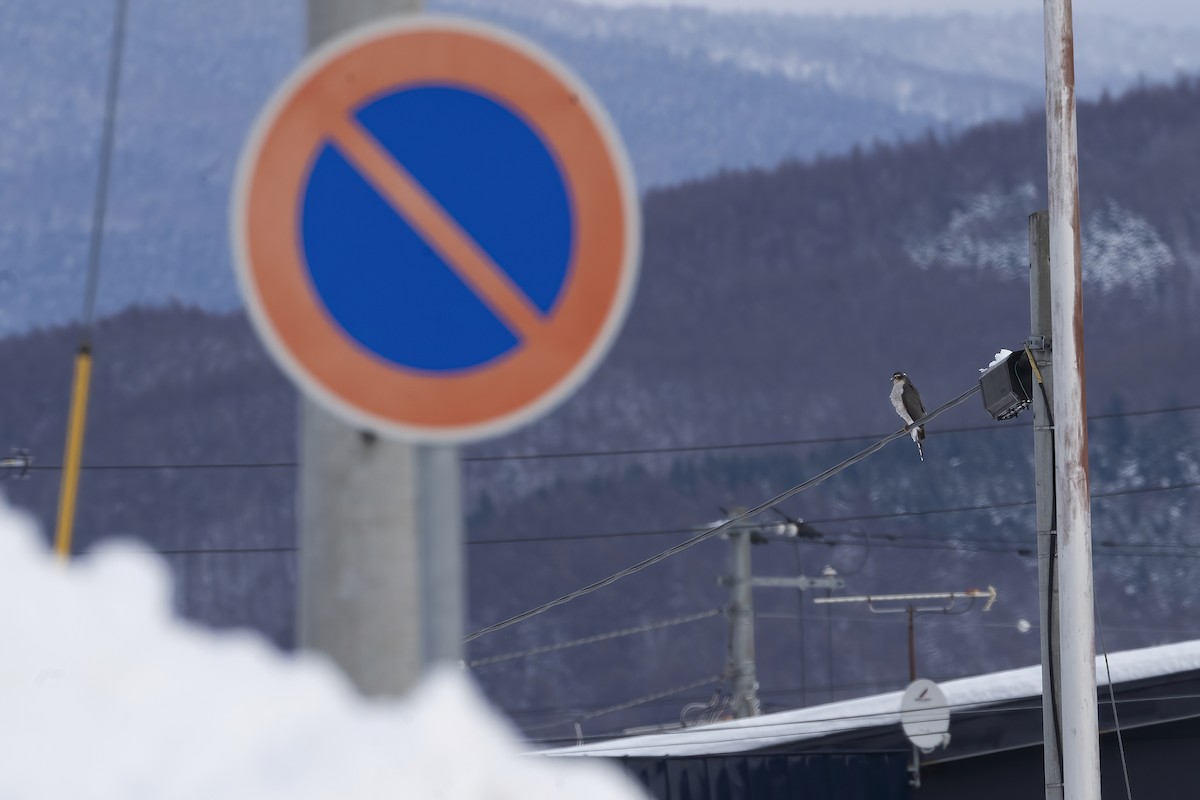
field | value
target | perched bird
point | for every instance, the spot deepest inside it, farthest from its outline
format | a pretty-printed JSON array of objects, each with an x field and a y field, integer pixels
[{"x": 907, "y": 402}]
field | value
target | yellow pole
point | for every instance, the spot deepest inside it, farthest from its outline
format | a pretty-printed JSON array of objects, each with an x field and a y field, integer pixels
[{"x": 73, "y": 455}]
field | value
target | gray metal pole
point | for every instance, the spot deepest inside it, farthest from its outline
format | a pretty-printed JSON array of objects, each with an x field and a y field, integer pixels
[
  {"x": 912, "y": 645},
  {"x": 442, "y": 567},
  {"x": 741, "y": 627},
  {"x": 330, "y": 18},
  {"x": 381, "y": 542},
  {"x": 1080, "y": 730},
  {"x": 1043, "y": 473}
]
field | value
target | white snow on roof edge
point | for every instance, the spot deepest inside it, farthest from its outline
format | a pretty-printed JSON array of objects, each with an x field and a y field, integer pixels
[{"x": 787, "y": 727}]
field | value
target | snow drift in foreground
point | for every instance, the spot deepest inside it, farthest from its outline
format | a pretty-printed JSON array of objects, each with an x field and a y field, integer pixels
[{"x": 105, "y": 695}]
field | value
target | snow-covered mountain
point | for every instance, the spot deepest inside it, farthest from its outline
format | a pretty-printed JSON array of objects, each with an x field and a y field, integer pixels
[
  {"x": 693, "y": 93},
  {"x": 947, "y": 69}
]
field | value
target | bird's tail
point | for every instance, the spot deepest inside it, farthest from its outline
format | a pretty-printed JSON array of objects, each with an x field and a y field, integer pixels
[{"x": 919, "y": 437}]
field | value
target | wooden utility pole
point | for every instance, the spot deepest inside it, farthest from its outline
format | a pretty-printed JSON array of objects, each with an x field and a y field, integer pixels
[{"x": 1080, "y": 730}]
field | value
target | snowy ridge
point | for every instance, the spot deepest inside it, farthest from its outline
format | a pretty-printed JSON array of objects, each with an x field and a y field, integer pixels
[
  {"x": 787, "y": 727},
  {"x": 954, "y": 68},
  {"x": 1120, "y": 249}
]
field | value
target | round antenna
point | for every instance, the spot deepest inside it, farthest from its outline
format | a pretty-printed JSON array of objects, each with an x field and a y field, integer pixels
[{"x": 925, "y": 715}]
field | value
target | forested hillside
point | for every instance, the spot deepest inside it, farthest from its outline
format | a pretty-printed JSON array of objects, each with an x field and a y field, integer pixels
[{"x": 773, "y": 307}]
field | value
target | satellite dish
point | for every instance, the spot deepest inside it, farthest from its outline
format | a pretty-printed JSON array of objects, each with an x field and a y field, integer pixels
[{"x": 925, "y": 715}]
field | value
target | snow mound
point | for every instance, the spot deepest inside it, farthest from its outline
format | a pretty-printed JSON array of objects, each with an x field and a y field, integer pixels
[{"x": 106, "y": 696}]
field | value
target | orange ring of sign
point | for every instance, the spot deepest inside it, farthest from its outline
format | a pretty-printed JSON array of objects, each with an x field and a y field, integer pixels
[{"x": 302, "y": 122}]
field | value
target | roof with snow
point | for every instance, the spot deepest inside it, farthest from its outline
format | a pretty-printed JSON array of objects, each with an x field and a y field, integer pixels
[{"x": 1134, "y": 672}]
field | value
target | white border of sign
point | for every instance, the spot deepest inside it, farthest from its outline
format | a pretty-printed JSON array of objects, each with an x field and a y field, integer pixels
[{"x": 630, "y": 261}]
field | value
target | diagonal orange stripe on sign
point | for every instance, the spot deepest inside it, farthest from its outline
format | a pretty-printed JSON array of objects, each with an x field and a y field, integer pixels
[{"x": 433, "y": 223}]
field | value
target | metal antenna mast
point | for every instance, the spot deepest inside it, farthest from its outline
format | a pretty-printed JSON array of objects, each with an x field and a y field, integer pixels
[{"x": 908, "y": 604}]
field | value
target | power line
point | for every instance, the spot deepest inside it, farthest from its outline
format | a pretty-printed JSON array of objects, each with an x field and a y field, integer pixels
[
  {"x": 1112, "y": 697},
  {"x": 165, "y": 467},
  {"x": 647, "y": 451},
  {"x": 828, "y": 520},
  {"x": 798, "y": 442},
  {"x": 647, "y": 562},
  {"x": 878, "y": 687},
  {"x": 651, "y": 697},
  {"x": 978, "y": 708},
  {"x": 864, "y": 720},
  {"x": 991, "y": 506},
  {"x": 577, "y": 717},
  {"x": 573, "y": 712},
  {"x": 600, "y": 637},
  {"x": 100, "y": 206},
  {"x": 278, "y": 464},
  {"x": 199, "y": 551},
  {"x": 901, "y": 541},
  {"x": 954, "y": 618}
]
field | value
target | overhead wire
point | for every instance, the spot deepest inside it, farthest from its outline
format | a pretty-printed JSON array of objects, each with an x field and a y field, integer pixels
[
  {"x": 900, "y": 621},
  {"x": 1112, "y": 697},
  {"x": 716, "y": 529},
  {"x": 831, "y": 723},
  {"x": 877, "y": 687},
  {"x": 292, "y": 463},
  {"x": 881, "y": 685},
  {"x": 100, "y": 202},
  {"x": 655, "y": 696},
  {"x": 864, "y": 720},
  {"x": 600, "y": 637},
  {"x": 895, "y": 541},
  {"x": 599, "y": 712},
  {"x": 798, "y": 442}
]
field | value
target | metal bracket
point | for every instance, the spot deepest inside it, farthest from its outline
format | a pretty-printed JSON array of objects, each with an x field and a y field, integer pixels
[
  {"x": 18, "y": 463},
  {"x": 1038, "y": 343},
  {"x": 802, "y": 582},
  {"x": 914, "y": 769}
]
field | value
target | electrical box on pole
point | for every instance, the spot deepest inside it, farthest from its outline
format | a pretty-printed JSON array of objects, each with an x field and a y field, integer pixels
[{"x": 1007, "y": 386}]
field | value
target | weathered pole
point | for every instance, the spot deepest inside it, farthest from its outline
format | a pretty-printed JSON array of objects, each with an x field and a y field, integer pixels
[
  {"x": 912, "y": 644},
  {"x": 381, "y": 562},
  {"x": 1043, "y": 479},
  {"x": 1080, "y": 732},
  {"x": 741, "y": 626}
]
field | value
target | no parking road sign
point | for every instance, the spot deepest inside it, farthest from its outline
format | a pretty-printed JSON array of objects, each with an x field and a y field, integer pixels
[{"x": 435, "y": 229}]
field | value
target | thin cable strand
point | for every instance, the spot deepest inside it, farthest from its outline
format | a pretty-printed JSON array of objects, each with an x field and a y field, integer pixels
[
  {"x": 713, "y": 531},
  {"x": 1112, "y": 697},
  {"x": 600, "y": 637},
  {"x": 604, "y": 453},
  {"x": 982, "y": 707},
  {"x": 100, "y": 206}
]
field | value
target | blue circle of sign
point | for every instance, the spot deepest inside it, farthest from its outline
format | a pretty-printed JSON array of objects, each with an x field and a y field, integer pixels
[{"x": 382, "y": 282}]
